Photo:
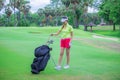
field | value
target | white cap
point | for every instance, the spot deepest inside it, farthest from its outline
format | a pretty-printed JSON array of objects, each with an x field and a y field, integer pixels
[{"x": 65, "y": 18}]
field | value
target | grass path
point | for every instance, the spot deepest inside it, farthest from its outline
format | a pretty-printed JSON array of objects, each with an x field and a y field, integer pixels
[{"x": 91, "y": 58}]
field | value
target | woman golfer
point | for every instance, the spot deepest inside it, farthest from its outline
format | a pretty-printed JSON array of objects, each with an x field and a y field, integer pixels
[{"x": 66, "y": 32}]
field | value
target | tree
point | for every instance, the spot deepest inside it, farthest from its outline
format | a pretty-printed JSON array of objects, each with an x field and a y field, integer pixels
[
  {"x": 51, "y": 13},
  {"x": 8, "y": 12},
  {"x": 77, "y": 8},
  {"x": 110, "y": 10},
  {"x": 48, "y": 11},
  {"x": 59, "y": 10},
  {"x": 1, "y": 4},
  {"x": 25, "y": 9},
  {"x": 40, "y": 12},
  {"x": 21, "y": 6},
  {"x": 56, "y": 3}
]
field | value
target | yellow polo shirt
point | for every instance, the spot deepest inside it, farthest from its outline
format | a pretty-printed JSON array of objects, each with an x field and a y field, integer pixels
[{"x": 65, "y": 33}]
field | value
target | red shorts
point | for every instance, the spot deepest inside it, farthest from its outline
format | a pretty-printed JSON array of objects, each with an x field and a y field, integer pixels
[{"x": 65, "y": 43}]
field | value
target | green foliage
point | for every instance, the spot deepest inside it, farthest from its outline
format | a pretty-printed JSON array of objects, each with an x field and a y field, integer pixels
[
  {"x": 78, "y": 8},
  {"x": 24, "y": 23},
  {"x": 8, "y": 11},
  {"x": 1, "y": 4},
  {"x": 57, "y": 8},
  {"x": 109, "y": 9},
  {"x": 22, "y": 7},
  {"x": 2, "y": 20}
]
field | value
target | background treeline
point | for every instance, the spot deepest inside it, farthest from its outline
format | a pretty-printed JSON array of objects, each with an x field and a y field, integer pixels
[
  {"x": 33, "y": 19},
  {"x": 17, "y": 13}
]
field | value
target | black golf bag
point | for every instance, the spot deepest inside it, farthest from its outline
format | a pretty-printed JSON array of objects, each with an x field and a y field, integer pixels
[{"x": 42, "y": 55}]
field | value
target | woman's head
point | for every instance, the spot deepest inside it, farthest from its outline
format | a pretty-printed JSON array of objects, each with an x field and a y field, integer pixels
[{"x": 64, "y": 19}]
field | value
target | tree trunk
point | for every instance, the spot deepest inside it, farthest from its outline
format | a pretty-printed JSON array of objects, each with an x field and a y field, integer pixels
[
  {"x": 14, "y": 16},
  {"x": 56, "y": 22},
  {"x": 114, "y": 27},
  {"x": 25, "y": 19},
  {"x": 91, "y": 28},
  {"x": 76, "y": 22},
  {"x": 119, "y": 27},
  {"x": 7, "y": 21},
  {"x": 18, "y": 18},
  {"x": 85, "y": 28}
]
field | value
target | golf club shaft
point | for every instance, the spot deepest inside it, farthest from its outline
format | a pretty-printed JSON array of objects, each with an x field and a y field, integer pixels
[{"x": 53, "y": 60}]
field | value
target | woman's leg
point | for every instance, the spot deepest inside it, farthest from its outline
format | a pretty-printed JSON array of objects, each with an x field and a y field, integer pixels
[
  {"x": 61, "y": 55},
  {"x": 68, "y": 55}
]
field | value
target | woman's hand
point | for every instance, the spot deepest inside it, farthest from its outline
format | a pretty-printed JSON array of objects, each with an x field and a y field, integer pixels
[
  {"x": 55, "y": 34},
  {"x": 52, "y": 34}
]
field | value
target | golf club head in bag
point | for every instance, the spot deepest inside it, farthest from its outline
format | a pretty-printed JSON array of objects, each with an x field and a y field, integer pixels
[{"x": 50, "y": 42}]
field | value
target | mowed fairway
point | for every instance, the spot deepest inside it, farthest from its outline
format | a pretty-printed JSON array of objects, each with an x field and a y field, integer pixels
[{"x": 91, "y": 58}]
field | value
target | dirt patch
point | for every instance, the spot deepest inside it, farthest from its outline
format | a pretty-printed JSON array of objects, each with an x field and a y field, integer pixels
[
  {"x": 103, "y": 37},
  {"x": 100, "y": 43}
]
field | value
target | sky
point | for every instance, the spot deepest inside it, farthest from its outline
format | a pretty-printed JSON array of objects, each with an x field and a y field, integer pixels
[{"x": 36, "y": 4}]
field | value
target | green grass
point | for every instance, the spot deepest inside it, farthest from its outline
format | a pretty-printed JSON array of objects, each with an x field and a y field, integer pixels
[
  {"x": 105, "y": 30},
  {"x": 89, "y": 59}
]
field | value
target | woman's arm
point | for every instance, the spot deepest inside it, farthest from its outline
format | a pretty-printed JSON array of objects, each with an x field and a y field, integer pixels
[
  {"x": 71, "y": 34},
  {"x": 55, "y": 34}
]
